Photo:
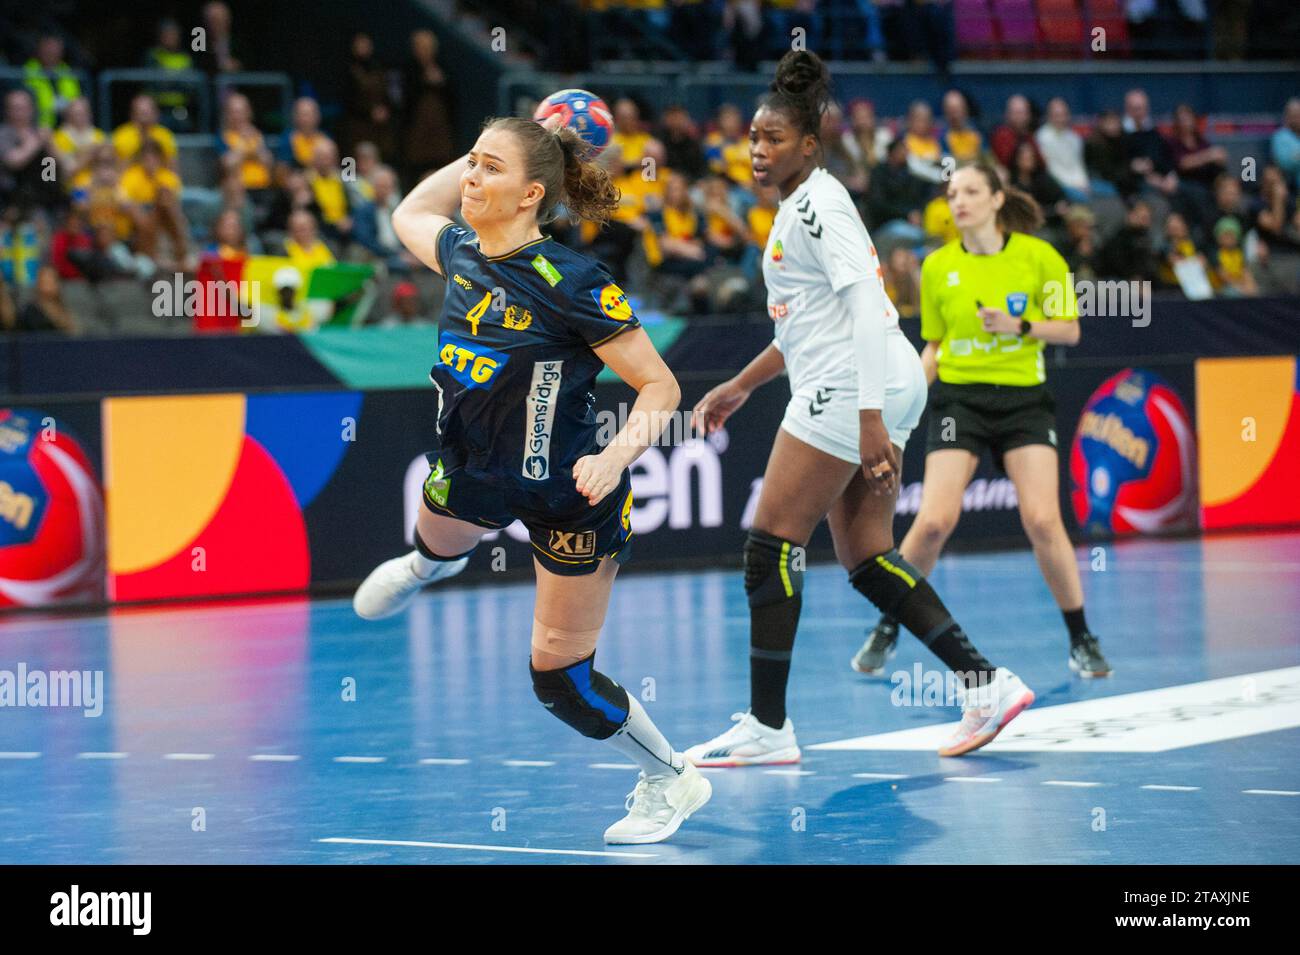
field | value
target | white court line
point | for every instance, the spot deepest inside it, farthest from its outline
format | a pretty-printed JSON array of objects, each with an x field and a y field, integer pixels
[
  {"x": 972, "y": 779},
  {"x": 1070, "y": 782},
  {"x": 19, "y": 755},
  {"x": 102, "y": 755},
  {"x": 273, "y": 758},
  {"x": 189, "y": 757},
  {"x": 360, "y": 759},
  {"x": 1173, "y": 789},
  {"x": 879, "y": 776},
  {"x": 458, "y": 845},
  {"x": 440, "y": 761},
  {"x": 527, "y": 762},
  {"x": 789, "y": 772},
  {"x": 612, "y": 766},
  {"x": 1270, "y": 792}
]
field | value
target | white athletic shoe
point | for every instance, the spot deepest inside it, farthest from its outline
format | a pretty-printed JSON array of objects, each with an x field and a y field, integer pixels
[
  {"x": 986, "y": 711},
  {"x": 748, "y": 743},
  {"x": 658, "y": 806},
  {"x": 393, "y": 584}
]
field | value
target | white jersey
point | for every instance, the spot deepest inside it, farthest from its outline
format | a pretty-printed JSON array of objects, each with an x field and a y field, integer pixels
[{"x": 818, "y": 246}]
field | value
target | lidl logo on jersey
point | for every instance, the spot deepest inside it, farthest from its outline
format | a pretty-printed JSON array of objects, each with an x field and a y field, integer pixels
[
  {"x": 613, "y": 302},
  {"x": 1017, "y": 302},
  {"x": 778, "y": 251},
  {"x": 470, "y": 363},
  {"x": 539, "y": 418}
]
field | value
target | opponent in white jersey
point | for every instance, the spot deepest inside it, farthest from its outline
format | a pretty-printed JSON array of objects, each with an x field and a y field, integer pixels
[
  {"x": 817, "y": 250},
  {"x": 858, "y": 390}
]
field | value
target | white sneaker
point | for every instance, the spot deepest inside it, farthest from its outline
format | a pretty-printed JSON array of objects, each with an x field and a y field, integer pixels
[
  {"x": 748, "y": 743},
  {"x": 658, "y": 806},
  {"x": 393, "y": 584},
  {"x": 986, "y": 711}
]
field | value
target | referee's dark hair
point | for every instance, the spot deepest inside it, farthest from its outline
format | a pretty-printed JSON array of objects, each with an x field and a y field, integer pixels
[
  {"x": 561, "y": 161},
  {"x": 1020, "y": 212},
  {"x": 801, "y": 90}
]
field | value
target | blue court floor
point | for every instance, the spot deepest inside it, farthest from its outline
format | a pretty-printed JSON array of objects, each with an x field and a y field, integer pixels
[{"x": 292, "y": 732}]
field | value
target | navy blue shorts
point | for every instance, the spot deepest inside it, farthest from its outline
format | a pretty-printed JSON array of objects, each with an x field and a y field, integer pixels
[{"x": 569, "y": 543}]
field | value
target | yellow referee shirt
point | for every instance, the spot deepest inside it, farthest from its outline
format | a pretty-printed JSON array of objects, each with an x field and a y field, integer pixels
[{"x": 1028, "y": 279}]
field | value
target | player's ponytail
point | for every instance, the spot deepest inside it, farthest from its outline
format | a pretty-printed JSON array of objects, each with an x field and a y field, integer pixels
[
  {"x": 561, "y": 162},
  {"x": 1020, "y": 212},
  {"x": 589, "y": 193},
  {"x": 802, "y": 90}
]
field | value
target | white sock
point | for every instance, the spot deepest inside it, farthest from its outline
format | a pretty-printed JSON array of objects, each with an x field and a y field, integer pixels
[{"x": 641, "y": 741}]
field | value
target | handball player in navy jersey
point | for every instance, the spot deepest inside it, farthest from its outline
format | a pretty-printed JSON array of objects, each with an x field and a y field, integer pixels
[{"x": 526, "y": 326}]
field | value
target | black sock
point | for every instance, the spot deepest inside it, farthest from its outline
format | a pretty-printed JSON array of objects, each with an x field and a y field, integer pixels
[
  {"x": 771, "y": 641},
  {"x": 774, "y": 587},
  {"x": 1078, "y": 627},
  {"x": 901, "y": 591}
]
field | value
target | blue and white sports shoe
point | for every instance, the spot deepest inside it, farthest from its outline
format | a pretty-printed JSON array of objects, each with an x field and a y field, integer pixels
[{"x": 748, "y": 743}]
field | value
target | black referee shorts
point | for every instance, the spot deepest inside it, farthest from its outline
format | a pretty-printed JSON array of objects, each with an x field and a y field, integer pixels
[
  {"x": 997, "y": 418},
  {"x": 569, "y": 541}
]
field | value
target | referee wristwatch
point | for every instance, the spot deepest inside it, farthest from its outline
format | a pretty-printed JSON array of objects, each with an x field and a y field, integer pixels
[{"x": 1026, "y": 326}]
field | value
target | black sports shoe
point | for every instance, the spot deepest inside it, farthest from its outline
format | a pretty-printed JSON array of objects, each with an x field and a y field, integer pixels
[
  {"x": 882, "y": 643},
  {"x": 1086, "y": 659}
]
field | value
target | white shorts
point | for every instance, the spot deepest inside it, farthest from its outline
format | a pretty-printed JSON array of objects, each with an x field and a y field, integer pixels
[{"x": 824, "y": 414}]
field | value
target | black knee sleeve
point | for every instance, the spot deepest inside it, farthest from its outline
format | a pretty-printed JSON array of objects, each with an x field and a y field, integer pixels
[
  {"x": 427, "y": 553},
  {"x": 586, "y": 699},
  {"x": 774, "y": 569}
]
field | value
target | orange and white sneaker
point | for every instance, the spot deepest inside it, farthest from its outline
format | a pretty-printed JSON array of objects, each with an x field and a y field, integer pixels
[
  {"x": 986, "y": 711},
  {"x": 748, "y": 743}
]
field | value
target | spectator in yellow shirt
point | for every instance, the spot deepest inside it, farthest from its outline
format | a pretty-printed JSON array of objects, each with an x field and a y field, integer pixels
[
  {"x": 331, "y": 195},
  {"x": 75, "y": 144},
  {"x": 242, "y": 147},
  {"x": 150, "y": 194},
  {"x": 303, "y": 246},
  {"x": 629, "y": 135},
  {"x": 960, "y": 140},
  {"x": 727, "y": 147},
  {"x": 299, "y": 147},
  {"x": 142, "y": 126},
  {"x": 937, "y": 220},
  {"x": 924, "y": 154}
]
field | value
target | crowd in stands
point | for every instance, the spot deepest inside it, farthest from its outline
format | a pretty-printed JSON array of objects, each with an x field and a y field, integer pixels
[{"x": 91, "y": 208}]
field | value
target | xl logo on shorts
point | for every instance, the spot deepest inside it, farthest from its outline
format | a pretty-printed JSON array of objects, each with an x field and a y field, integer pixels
[
  {"x": 1017, "y": 302},
  {"x": 470, "y": 363},
  {"x": 539, "y": 418},
  {"x": 573, "y": 543}
]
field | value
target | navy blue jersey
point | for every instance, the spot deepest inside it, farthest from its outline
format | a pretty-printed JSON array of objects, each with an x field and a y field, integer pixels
[{"x": 516, "y": 370}]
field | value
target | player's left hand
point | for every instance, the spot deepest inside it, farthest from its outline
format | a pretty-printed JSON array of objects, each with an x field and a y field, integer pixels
[
  {"x": 596, "y": 476},
  {"x": 879, "y": 460},
  {"x": 998, "y": 322}
]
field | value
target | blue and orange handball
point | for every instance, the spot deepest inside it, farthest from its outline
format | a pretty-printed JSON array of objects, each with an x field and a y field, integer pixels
[{"x": 583, "y": 112}]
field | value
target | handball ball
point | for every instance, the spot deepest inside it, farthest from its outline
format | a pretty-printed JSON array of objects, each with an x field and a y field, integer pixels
[
  {"x": 51, "y": 514},
  {"x": 584, "y": 113}
]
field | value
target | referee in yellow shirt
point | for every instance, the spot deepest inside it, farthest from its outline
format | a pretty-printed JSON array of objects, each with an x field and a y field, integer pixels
[{"x": 990, "y": 301}]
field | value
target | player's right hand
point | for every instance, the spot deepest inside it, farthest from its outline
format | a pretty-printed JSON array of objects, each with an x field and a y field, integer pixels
[{"x": 717, "y": 406}]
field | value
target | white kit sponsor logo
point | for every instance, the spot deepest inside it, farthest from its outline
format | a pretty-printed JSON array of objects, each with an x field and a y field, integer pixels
[{"x": 539, "y": 419}]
